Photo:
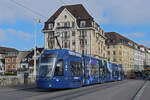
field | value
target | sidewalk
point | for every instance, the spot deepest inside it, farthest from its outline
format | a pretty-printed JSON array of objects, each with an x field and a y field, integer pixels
[{"x": 17, "y": 87}]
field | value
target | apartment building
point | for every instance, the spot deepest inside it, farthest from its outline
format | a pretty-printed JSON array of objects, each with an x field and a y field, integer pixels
[
  {"x": 76, "y": 30},
  {"x": 120, "y": 50},
  {"x": 142, "y": 57},
  {"x": 10, "y": 61},
  {"x": 2, "y": 62},
  {"x": 9, "y": 56},
  {"x": 137, "y": 58},
  {"x": 148, "y": 57}
]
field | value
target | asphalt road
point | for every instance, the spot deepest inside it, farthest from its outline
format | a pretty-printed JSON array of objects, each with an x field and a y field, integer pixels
[
  {"x": 121, "y": 90},
  {"x": 146, "y": 93}
]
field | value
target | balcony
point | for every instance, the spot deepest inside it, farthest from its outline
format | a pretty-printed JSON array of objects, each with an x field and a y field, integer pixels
[
  {"x": 83, "y": 45},
  {"x": 63, "y": 27},
  {"x": 66, "y": 37},
  {"x": 82, "y": 37}
]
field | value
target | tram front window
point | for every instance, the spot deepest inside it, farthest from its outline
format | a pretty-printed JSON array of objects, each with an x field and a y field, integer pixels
[{"x": 47, "y": 63}]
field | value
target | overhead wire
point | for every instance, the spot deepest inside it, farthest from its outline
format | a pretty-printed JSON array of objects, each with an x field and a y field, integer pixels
[
  {"x": 62, "y": 2},
  {"x": 29, "y": 9}
]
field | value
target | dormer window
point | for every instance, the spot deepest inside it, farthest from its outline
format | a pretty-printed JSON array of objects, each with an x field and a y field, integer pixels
[
  {"x": 58, "y": 24},
  {"x": 50, "y": 26},
  {"x": 114, "y": 41},
  {"x": 82, "y": 24},
  {"x": 65, "y": 16}
]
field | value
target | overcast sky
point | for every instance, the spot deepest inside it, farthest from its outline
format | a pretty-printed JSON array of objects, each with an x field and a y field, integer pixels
[{"x": 130, "y": 18}]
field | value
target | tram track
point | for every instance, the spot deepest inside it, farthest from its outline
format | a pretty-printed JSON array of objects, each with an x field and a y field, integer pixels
[
  {"x": 72, "y": 93},
  {"x": 84, "y": 91},
  {"x": 140, "y": 91}
]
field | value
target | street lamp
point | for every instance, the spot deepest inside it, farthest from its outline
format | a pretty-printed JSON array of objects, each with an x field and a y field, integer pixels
[{"x": 35, "y": 21}]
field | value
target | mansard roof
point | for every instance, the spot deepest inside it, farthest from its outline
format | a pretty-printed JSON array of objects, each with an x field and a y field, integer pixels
[
  {"x": 78, "y": 11},
  {"x": 117, "y": 37}
]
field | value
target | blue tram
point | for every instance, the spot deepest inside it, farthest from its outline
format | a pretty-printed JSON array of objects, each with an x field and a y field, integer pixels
[{"x": 63, "y": 68}]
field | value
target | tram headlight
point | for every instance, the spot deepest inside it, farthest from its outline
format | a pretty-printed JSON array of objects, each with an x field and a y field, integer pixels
[
  {"x": 50, "y": 85},
  {"x": 57, "y": 80}
]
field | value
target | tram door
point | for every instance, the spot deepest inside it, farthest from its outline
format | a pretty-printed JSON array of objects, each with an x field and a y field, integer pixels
[
  {"x": 83, "y": 72},
  {"x": 102, "y": 71},
  {"x": 76, "y": 73}
]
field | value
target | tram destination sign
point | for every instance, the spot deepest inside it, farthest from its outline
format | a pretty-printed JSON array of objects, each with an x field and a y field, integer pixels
[{"x": 74, "y": 54}]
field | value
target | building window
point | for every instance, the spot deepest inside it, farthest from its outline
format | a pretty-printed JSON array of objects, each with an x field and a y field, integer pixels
[
  {"x": 114, "y": 52},
  {"x": 85, "y": 51},
  {"x": 8, "y": 66},
  {"x": 114, "y": 41},
  {"x": 73, "y": 43},
  {"x": 14, "y": 60},
  {"x": 103, "y": 54},
  {"x": 83, "y": 33},
  {"x": 108, "y": 41},
  {"x": 120, "y": 52},
  {"x": 23, "y": 66},
  {"x": 73, "y": 24},
  {"x": 120, "y": 59},
  {"x": 65, "y": 16},
  {"x": 13, "y": 66},
  {"x": 66, "y": 35},
  {"x": 65, "y": 45},
  {"x": 68, "y": 24},
  {"x": 85, "y": 42},
  {"x": 108, "y": 52},
  {"x": 82, "y": 24},
  {"x": 73, "y": 33},
  {"x": 8, "y": 60},
  {"x": 114, "y": 46},
  {"x": 58, "y": 24},
  {"x": 65, "y": 24},
  {"x": 114, "y": 59},
  {"x": 69, "y": 44},
  {"x": 50, "y": 26},
  {"x": 82, "y": 51}
]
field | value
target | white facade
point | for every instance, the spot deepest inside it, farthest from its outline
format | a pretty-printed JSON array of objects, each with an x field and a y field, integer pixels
[
  {"x": 2, "y": 64},
  {"x": 142, "y": 58},
  {"x": 85, "y": 40},
  {"x": 148, "y": 57},
  {"x": 137, "y": 59}
]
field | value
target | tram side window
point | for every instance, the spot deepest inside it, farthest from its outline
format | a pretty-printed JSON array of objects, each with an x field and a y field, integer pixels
[
  {"x": 59, "y": 71},
  {"x": 75, "y": 68},
  {"x": 94, "y": 69}
]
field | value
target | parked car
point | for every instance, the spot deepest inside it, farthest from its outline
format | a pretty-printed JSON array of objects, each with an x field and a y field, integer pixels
[{"x": 132, "y": 76}]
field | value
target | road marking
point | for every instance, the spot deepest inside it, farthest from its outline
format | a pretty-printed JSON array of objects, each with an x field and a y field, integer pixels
[{"x": 140, "y": 92}]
